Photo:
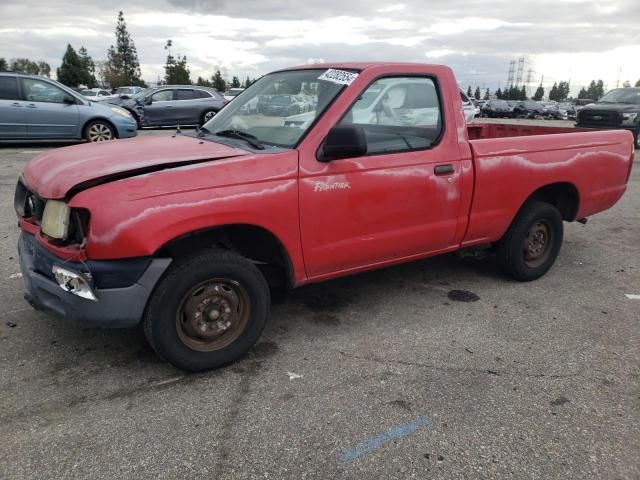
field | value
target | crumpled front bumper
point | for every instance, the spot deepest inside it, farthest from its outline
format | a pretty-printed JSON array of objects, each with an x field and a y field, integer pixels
[{"x": 121, "y": 306}]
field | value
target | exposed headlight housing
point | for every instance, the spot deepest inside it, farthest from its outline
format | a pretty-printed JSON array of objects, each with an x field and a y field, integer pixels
[
  {"x": 55, "y": 219},
  {"x": 73, "y": 282},
  {"x": 121, "y": 111},
  {"x": 629, "y": 118}
]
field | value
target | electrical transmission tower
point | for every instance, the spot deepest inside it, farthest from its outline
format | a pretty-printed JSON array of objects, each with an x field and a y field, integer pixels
[
  {"x": 530, "y": 73},
  {"x": 512, "y": 71},
  {"x": 520, "y": 72}
]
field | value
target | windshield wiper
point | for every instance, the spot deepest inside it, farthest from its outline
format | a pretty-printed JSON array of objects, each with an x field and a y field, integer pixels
[{"x": 247, "y": 137}]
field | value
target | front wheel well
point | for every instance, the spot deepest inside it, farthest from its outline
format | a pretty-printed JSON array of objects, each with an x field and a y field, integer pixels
[
  {"x": 255, "y": 243},
  {"x": 564, "y": 196},
  {"x": 101, "y": 119}
]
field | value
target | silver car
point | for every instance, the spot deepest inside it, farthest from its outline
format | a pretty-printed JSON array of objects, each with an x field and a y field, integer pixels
[
  {"x": 33, "y": 107},
  {"x": 171, "y": 105}
]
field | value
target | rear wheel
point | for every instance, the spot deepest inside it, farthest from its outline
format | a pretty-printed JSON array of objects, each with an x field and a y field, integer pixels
[
  {"x": 208, "y": 311},
  {"x": 206, "y": 116},
  {"x": 532, "y": 243},
  {"x": 99, "y": 131}
]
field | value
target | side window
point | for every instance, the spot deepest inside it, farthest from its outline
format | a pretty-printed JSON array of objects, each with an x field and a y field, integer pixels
[
  {"x": 8, "y": 88},
  {"x": 39, "y": 91},
  {"x": 201, "y": 94},
  {"x": 188, "y": 94},
  {"x": 398, "y": 114},
  {"x": 162, "y": 96}
]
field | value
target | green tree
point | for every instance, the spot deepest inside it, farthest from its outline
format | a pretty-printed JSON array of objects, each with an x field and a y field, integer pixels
[
  {"x": 469, "y": 91},
  {"x": 122, "y": 66},
  {"x": 637, "y": 83},
  {"x": 487, "y": 95},
  {"x": 499, "y": 93},
  {"x": 539, "y": 93},
  {"x": 218, "y": 82},
  {"x": 45, "y": 69},
  {"x": 247, "y": 83},
  {"x": 70, "y": 72},
  {"x": 176, "y": 69},
  {"x": 626, "y": 84},
  {"x": 203, "y": 82},
  {"x": 553, "y": 93},
  {"x": 25, "y": 65},
  {"x": 235, "y": 82},
  {"x": 563, "y": 91},
  {"x": 583, "y": 93},
  {"x": 4, "y": 65},
  {"x": 88, "y": 68},
  {"x": 522, "y": 95},
  {"x": 476, "y": 94}
]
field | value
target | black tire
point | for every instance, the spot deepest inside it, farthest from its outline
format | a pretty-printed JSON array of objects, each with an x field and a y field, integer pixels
[
  {"x": 531, "y": 245},
  {"x": 206, "y": 116},
  {"x": 166, "y": 324},
  {"x": 99, "y": 131}
]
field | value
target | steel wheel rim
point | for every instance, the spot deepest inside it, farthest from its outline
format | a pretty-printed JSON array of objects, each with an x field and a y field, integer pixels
[
  {"x": 99, "y": 132},
  {"x": 208, "y": 116},
  {"x": 213, "y": 314},
  {"x": 537, "y": 244}
]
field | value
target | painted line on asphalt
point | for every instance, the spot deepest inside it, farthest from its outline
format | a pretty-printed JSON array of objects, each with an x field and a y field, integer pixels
[
  {"x": 632, "y": 296},
  {"x": 373, "y": 443}
]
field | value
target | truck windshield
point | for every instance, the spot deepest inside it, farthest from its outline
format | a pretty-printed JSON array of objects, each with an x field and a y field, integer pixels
[
  {"x": 278, "y": 109},
  {"x": 622, "y": 95}
]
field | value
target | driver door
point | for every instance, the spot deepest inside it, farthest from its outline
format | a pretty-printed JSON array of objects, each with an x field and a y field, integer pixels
[
  {"x": 399, "y": 200},
  {"x": 162, "y": 108}
]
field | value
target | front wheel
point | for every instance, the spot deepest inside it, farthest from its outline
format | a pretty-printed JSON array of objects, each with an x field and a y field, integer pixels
[
  {"x": 532, "y": 243},
  {"x": 208, "y": 311},
  {"x": 99, "y": 131}
]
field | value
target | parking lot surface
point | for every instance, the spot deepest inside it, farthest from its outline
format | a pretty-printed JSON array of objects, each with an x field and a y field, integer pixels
[{"x": 437, "y": 369}]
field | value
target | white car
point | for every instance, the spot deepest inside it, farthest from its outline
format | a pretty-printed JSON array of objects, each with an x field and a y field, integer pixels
[
  {"x": 232, "y": 93},
  {"x": 469, "y": 108},
  {"x": 96, "y": 94}
]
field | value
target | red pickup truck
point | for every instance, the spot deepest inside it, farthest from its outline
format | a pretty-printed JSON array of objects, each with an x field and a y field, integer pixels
[{"x": 311, "y": 173}]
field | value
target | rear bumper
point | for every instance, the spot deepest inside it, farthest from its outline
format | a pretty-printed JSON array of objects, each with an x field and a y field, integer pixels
[{"x": 116, "y": 307}]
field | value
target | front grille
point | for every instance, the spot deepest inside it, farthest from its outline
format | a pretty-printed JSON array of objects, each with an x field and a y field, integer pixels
[{"x": 599, "y": 118}]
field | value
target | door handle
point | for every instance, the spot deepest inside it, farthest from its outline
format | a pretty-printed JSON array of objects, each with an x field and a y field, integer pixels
[
  {"x": 443, "y": 169},
  {"x": 16, "y": 104},
  {"x": 31, "y": 105}
]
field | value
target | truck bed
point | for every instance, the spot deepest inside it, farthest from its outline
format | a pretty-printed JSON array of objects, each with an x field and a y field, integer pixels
[{"x": 479, "y": 131}]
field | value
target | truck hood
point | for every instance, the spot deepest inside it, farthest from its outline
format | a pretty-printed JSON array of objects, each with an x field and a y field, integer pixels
[{"x": 54, "y": 174}]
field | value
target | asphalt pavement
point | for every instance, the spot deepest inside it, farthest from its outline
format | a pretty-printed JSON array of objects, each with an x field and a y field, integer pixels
[{"x": 438, "y": 369}]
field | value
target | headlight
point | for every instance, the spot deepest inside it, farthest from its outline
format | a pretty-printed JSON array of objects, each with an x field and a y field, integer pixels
[
  {"x": 121, "y": 111},
  {"x": 55, "y": 219},
  {"x": 628, "y": 118}
]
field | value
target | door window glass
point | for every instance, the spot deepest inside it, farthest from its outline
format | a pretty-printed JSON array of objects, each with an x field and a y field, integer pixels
[
  {"x": 8, "y": 88},
  {"x": 40, "y": 91},
  {"x": 163, "y": 96},
  {"x": 201, "y": 94},
  {"x": 186, "y": 95},
  {"x": 398, "y": 114}
]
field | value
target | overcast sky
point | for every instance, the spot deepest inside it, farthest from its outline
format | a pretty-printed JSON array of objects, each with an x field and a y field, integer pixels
[{"x": 575, "y": 40}]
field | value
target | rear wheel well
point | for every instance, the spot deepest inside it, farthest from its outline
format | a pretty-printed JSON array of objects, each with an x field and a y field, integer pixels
[
  {"x": 254, "y": 243},
  {"x": 564, "y": 196}
]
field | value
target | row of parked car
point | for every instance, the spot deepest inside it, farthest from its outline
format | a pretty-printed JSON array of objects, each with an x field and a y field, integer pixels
[{"x": 527, "y": 109}]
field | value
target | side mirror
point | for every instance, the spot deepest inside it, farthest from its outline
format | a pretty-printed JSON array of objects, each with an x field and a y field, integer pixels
[
  {"x": 148, "y": 101},
  {"x": 125, "y": 96},
  {"x": 343, "y": 141},
  {"x": 70, "y": 99}
]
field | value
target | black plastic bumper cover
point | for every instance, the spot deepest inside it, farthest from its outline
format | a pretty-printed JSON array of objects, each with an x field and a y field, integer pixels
[{"x": 116, "y": 307}]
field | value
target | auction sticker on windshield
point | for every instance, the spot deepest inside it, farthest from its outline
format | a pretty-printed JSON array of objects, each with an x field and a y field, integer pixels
[{"x": 338, "y": 76}]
